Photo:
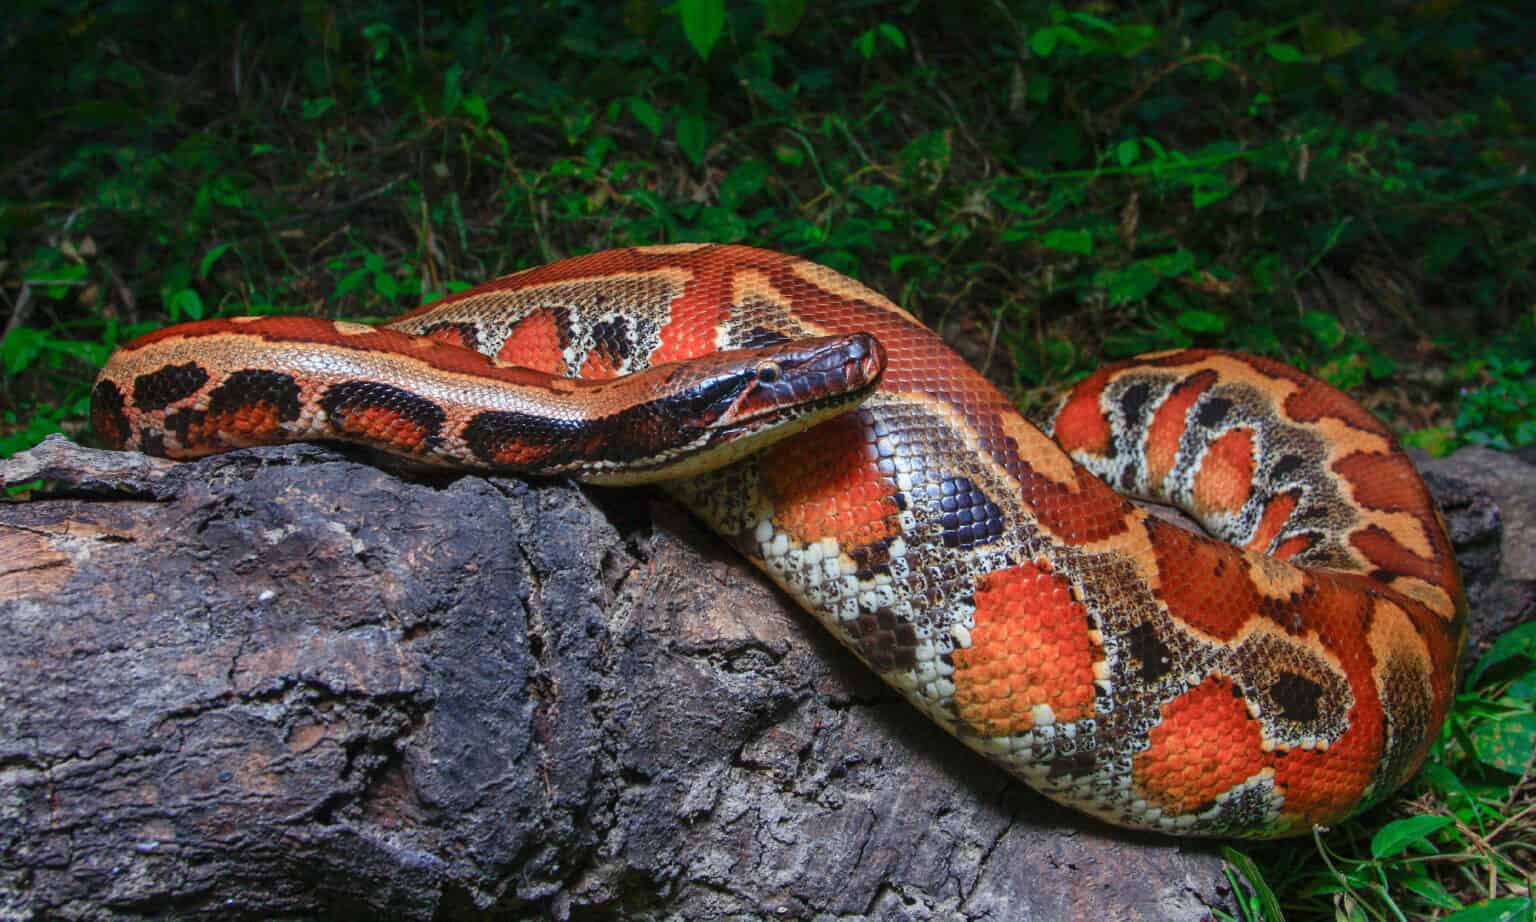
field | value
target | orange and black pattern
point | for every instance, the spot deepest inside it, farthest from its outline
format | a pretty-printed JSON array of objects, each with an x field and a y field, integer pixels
[{"x": 1288, "y": 674}]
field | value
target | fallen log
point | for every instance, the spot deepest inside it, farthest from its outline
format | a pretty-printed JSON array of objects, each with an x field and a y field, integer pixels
[{"x": 284, "y": 682}]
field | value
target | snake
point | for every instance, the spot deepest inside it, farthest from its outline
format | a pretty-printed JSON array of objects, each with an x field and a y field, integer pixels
[{"x": 1283, "y": 669}]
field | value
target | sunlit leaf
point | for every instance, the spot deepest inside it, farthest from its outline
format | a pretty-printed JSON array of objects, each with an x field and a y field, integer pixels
[
  {"x": 1397, "y": 835},
  {"x": 703, "y": 21},
  {"x": 1508, "y": 909},
  {"x": 1506, "y": 744},
  {"x": 1069, "y": 241},
  {"x": 1284, "y": 52},
  {"x": 1521, "y": 641}
]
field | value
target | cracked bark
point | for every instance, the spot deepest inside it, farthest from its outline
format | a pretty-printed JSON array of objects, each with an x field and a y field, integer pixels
[{"x": 285, "y": 682}]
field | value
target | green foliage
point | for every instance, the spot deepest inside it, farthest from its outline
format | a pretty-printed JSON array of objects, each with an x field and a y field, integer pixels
[{"x": 1496, "y": 397}]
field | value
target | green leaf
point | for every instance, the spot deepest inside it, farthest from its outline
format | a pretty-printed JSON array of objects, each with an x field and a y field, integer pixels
[
  {"x": 692, "y": 134},
  {"x": 1201, "y": 321},
  {"x": 864, "y": 44},
  {"x": 21, "y": 348},
  {"x": 350, "y": 281},
  {"x": 743, "y": 182},
  {"x": 1044, "y": 41},
  {"x": 314, "y": 108},
  {"x": 781, "y": 16},
  {"x": 1432, "y": 892},
  {"x": 893, "y": 35},
  {"x": 1285, "y": 53},
  {"x": 1506, "y": 744},
  {"x": 723, "y": 225},
  {"x": 1518, "y": 642},
  {"x": 453, "y": 88},
  {"x": 476, "y": 108},
  {"x": 1170, "y": 264},
  {"x": 1437, "y": 440},
  {"x": 1324, "y": 328},
  {"x": 1207, "y": 188},
  {"x": 1132, "y": 283},
  {"x": 386, "y": 285},
  {"x": 1249, "y": 873},
  {"x": 1127, "y": 151},
  {"x": 1397, "y": 835},
  {"x": 645, "y": 114},
  {"x": 703, "y": 21},
  {"x": 211, "y": 257},
  {"x": 1092, "y": 21},
  {"x": 185, "y": 303},
  {"x": 1508, "y": 909},
  {"x": 789, "y": 155},
  {"x": 1069, "y": 241}
]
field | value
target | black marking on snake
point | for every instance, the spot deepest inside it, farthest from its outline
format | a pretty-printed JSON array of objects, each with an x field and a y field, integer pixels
[
  {"x": 1285, "y": 467},
  {"x": 255, "y": 386},
  {"x": 152, "y": 441},
  {"x": 1296, "y": 696},
  {"x": 1149, "y": 650},
  {"x": 1133, "y": 399},
  {"x": 1312, "y": 514},
  {"x": 611, "y": 340},
  {"x": 159, "y": 389},
  {"x": 350, "y": 397},
  {"x": 495, "y": 432},
  {"x": 107, "y": 416},
  {"x": 181, "y": 423},
  {"x": 1213, "y": 411},
  {"x": 1130, "y": 474}
]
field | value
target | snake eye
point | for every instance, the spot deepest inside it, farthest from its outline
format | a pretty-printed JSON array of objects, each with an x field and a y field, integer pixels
[{"x": 768, "y": 373}]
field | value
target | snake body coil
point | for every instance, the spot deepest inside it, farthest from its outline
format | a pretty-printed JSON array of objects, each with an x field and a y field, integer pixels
[{"x": 1289, "y": 674}]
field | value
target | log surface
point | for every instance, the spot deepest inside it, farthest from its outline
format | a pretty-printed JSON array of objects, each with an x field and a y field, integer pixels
[{"x": 284, "y": 682}]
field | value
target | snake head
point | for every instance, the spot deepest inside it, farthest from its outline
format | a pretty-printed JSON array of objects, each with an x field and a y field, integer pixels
[
  {"x": 743, "y": 391},
  {"x": 708, "y": 411}
]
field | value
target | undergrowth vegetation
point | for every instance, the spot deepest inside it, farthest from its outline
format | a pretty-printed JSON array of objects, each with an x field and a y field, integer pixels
[{"x": 1049, "y": 186}]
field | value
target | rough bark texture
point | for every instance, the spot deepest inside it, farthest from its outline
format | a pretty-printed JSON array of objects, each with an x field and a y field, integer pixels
[{"x": 282, "y": 682}]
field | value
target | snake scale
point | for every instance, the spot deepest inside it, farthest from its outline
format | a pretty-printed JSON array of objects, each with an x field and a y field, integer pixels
[{"x": 1288, "y": 671}]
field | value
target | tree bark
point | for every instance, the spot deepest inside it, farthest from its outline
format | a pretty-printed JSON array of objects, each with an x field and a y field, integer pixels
[{"x": 283, "y": 682}]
